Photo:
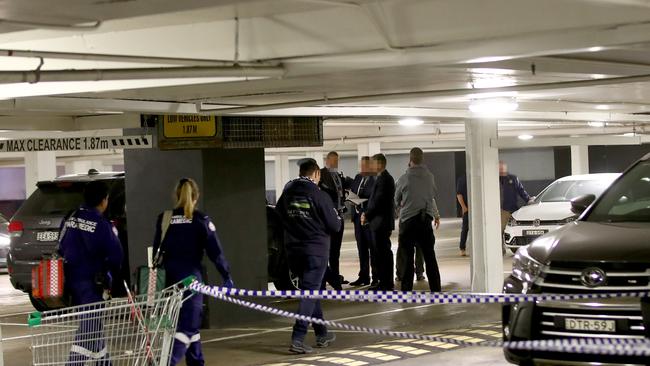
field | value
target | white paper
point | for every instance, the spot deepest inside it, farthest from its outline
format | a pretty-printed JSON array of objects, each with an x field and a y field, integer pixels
[{"x": 354, "y": 198}]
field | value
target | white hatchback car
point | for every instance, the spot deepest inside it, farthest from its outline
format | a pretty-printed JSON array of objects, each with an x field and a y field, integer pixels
[{"x": 552, "y": 208}]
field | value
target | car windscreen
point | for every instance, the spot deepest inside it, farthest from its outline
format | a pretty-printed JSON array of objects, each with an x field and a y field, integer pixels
[
  {"x": 564, "y": 191},
  {"x": 53, "y": 199},
  {"x": 628, "y": 200}
]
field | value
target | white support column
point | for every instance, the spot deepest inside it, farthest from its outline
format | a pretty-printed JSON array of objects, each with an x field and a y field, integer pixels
[
  {"x": 38, "y": 166},
  {"x": 282, "y": 175},
  {"x": 368, "y": 149},
  {"x": 579, "y": 159},
  {"x": 485, "y": 205}
]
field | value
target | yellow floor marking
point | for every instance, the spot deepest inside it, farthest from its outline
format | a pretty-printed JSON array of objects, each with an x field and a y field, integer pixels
[
  {"x": 312, "y": 358},
  {"x": 447, "y": 346},
  {"x": 344, "y": 361},
  {"x": 376, "y": 355},
  {"x": 346, "y": 352}
]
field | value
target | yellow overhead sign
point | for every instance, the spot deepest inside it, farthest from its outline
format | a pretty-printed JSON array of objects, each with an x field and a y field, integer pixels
[{"x": 189, "y": 126}]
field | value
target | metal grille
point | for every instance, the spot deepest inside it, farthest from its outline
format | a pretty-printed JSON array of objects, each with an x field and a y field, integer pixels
[
  {"x": 564, "y": 277},
  {"x": 250, "y": 132}
]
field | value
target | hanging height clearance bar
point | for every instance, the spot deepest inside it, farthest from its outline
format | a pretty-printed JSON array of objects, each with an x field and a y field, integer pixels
[{"x": 77, "y": 143}]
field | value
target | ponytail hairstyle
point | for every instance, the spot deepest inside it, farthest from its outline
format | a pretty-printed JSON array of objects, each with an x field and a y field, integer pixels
[{"x": 187, "y": 193}]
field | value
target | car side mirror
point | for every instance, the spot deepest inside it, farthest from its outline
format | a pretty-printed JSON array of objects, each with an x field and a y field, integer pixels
[{"x": 580, "y": 203}]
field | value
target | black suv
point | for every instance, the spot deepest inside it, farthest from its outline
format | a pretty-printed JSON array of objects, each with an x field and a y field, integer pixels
[
  {"x": 34, "y": 229},
  {"x": 605, "y": 250}
]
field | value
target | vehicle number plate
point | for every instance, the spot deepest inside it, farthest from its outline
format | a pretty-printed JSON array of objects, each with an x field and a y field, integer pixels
[
  {"x": 47, "y": 236},
  {"x": 591, "y": 325},
  {"x": 535, "y": 232}
]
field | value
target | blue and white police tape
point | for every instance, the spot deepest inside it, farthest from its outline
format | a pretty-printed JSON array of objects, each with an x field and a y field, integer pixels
[
  {"x": 593, "y": 346},
  {"x": 413, "y": 297}
]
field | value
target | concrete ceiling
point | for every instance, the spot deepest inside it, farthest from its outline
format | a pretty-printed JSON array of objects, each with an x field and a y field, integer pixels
[{"x": 362, "y": 63}]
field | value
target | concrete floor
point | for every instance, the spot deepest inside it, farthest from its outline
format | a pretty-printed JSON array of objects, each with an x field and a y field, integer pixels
[{"x": 266, "y": 343}]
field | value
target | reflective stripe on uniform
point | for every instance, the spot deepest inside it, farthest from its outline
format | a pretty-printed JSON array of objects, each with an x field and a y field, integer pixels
[
  {"x": 186, "y": 340},
  {"x": 88, "y": 353}
]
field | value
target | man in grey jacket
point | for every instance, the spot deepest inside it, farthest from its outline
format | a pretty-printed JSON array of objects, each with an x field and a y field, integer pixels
[{"x": 415, "y": 198}]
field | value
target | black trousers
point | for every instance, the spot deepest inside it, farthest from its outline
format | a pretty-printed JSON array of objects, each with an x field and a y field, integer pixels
[
  {"x": 418, "y": 232},
  {"x": 401, "y": 259},
  {"x": 366, "y": 249},
  {"x": 464, "y": 232},
  {"x": 385, "y": 262},
  {"x": 333, "y": 275}
]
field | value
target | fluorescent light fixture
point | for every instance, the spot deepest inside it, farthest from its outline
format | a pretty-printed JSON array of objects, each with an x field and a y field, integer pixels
[
  {"x": 488, "y": 59},
  {"x": 595, "y": 49},
  {"x": 525, "y": 137},
  {"x": 19, "y": 90},
  {"x": 629, "y": 134},
  {"x": 602, "y": 107},
  {"x": 598, "y": 76},
  {"x": 492, "y": 106},
  {"x": 410, "y": 122},
  {"x": 596, "y": 124}
]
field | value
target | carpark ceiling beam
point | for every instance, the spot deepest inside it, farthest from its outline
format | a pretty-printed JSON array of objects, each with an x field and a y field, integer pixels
[
  {"x": 462, "y": 92},
  {"x": 523, "y": 45},
  {"x": 515, "y": 143},
  {"x": 128, "y": 58},
  {"x": 37, "y": 76}
]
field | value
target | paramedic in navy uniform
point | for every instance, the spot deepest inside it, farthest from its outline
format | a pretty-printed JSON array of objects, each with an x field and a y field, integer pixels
[
  {"x": 190, "y": 234},
  {"x": 309, "y": 218},
  {"x": 91, "y": 251}
]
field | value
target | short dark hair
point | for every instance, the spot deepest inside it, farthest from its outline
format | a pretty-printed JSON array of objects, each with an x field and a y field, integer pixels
[
  {"x": 380, "y": 158},
  {"x": 308, "y": 167},
  {"x": 95, "y": 192},
  {"x": 332, "y": 153},
  {"x": 416, "y": 155},
  {"x": 365, "y": 158}
]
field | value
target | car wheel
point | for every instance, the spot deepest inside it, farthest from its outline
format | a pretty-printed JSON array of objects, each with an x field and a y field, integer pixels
[
  {"x": 287, "y": 282},
  {"x": 38, "y": 304}
]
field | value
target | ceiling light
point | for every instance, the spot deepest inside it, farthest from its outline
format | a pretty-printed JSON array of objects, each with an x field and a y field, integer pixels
[
  {"x": 602, "y": 107},
  {"x": 492, "y": 106},
  {"x": 525, "y": 137},
  {"x": 598, "y": 76},
  {"x": 595, "y": 49},
  {"x": 596, "y": 124},
  {"x": 410, "y": 122},
  {"x": 629, "y": 134}
]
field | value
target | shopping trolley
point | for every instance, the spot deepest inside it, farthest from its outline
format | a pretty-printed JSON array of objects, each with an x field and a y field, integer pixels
[{"x": 138, "y": 330}]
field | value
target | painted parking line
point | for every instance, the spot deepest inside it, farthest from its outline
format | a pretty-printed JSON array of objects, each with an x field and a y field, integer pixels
[{"x": 392, "y": 350}]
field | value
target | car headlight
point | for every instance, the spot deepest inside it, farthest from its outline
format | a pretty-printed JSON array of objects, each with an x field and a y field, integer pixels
[
  {"x": 512, "y": 222},
  {"x": 4, "y": 241},
  {"x": 524, "y": 267}
]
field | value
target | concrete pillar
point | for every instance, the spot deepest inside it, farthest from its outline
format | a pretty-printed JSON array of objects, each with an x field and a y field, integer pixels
[
  {"x": 485, "y": 202},
  {"x": 232, "y": 194},
  {"x": 282, "y": 174},
  {"x": 38, "y": 166},
  {"x": 368, "y": 149},
  {"x": 579, "y": 159}
]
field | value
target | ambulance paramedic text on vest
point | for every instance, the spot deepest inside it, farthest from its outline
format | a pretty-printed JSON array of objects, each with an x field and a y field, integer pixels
[
  {"x": 190, "y": 235},
  {"x": 91, "y": 251}
]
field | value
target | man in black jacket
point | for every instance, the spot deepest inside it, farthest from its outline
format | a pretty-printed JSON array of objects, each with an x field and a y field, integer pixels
[
  {"x": 334, "y": 184},
  {"x": 309, "y": 218},
  {"x": 380, "y": 215},
  {"x": 362, "y": 186}
]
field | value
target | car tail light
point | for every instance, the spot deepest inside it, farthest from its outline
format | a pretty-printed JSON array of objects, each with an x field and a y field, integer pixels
[{"x": 16, "y": 228}]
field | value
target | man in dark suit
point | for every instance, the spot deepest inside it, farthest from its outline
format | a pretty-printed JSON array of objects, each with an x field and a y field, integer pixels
[
  {"x": 334, "y": 184},
  {"x": 362, "y": 186},
  {"x": 380, "y": 215}
]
